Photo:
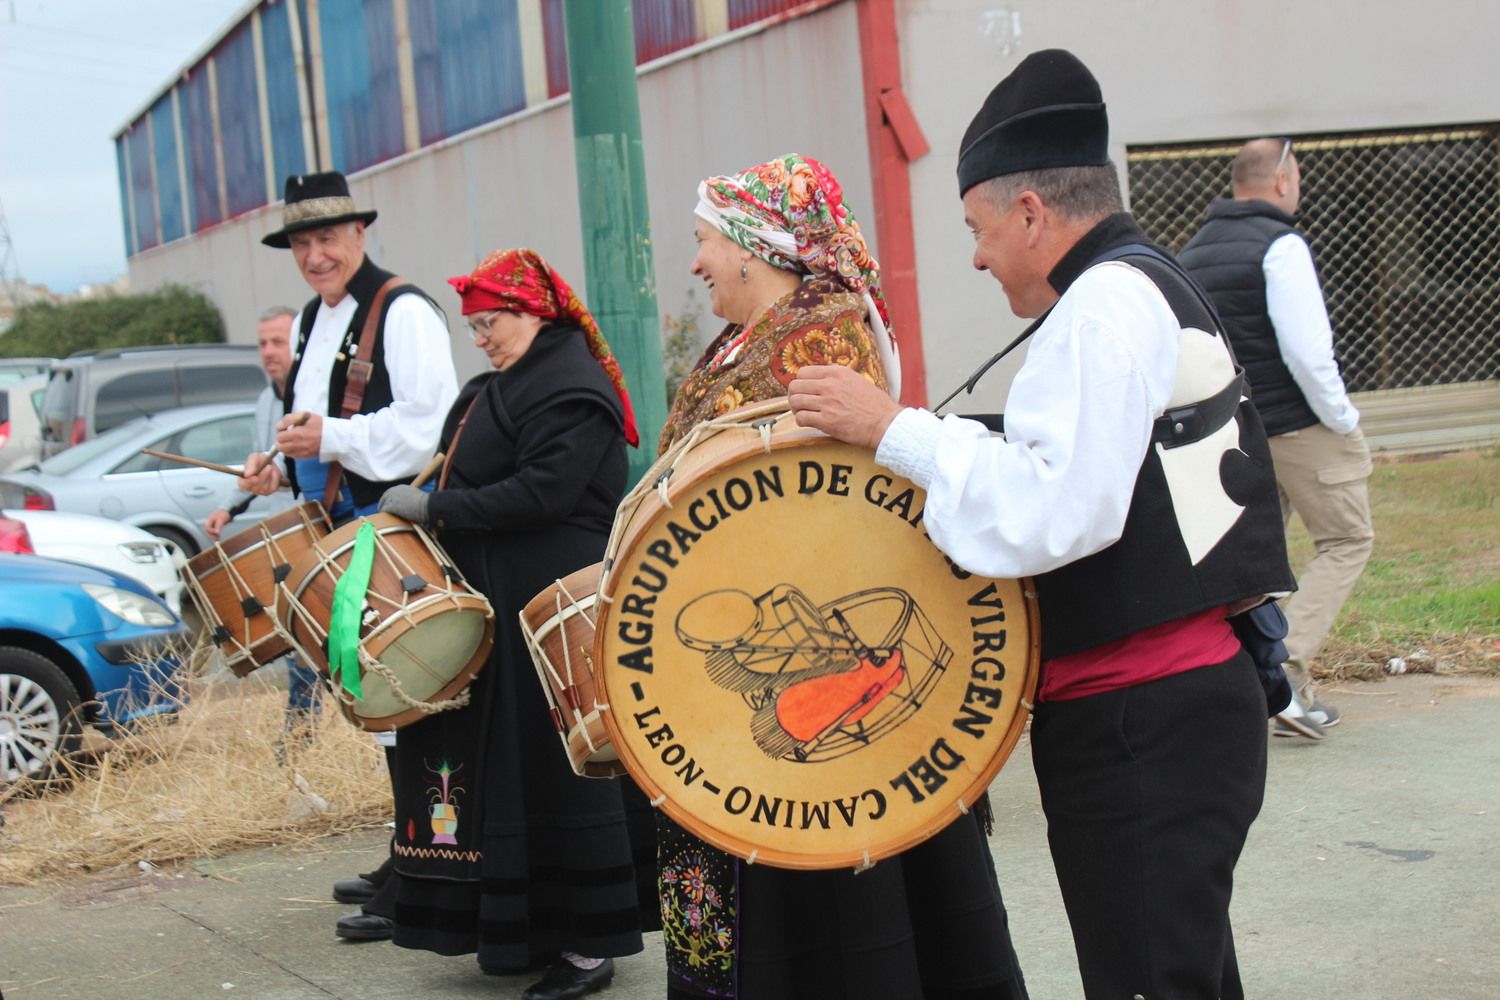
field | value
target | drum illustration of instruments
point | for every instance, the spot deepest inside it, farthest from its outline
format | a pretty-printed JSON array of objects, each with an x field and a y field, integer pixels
[
  {"x": 558, "y": 625},
  {"x": 235, "y": 585},
  {"x": 424, "y": 633},
  {"x": 787, "y": 665}
]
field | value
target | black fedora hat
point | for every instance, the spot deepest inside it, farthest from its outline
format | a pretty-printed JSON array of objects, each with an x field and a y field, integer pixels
[{"x": 314, "y": 201}]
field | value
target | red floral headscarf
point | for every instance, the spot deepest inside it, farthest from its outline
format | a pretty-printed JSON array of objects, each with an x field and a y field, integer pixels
[
  {"x": 521, "y": 281},
  {"x": 790, "y": 212}
]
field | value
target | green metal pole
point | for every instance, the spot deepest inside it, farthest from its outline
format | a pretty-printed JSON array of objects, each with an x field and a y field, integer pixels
[{"x": 612, "y": 201}]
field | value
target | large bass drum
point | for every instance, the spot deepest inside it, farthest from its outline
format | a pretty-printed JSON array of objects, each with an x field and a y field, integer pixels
[{"x": 789, "y": 667}]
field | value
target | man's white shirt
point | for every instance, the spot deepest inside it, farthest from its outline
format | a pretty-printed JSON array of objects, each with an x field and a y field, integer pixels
[
  {"x": 396, "y": 441},
  {"x": 1304, "y": 336}
]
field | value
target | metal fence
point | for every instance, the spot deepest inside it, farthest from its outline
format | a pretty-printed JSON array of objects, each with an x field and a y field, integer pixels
[{"x": 1404, "y": 227}]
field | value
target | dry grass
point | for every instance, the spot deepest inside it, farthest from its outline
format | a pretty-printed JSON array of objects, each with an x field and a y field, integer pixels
[
  {"x": 208, "y": 783},
  {"x": 1430, "y": 594}
]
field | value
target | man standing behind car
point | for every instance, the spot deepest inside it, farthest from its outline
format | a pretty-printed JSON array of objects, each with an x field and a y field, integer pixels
[
  {"x": 1259, "y": 272},
  {"x": 274, "y": 336},
  {"x": 354, "y": 445}
]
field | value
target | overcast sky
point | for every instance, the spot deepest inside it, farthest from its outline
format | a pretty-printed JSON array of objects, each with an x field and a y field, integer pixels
[{"x": 71, "y": 71}]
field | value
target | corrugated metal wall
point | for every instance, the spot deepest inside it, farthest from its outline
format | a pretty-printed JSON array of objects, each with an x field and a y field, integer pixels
[{"x": 348, "y": 84}]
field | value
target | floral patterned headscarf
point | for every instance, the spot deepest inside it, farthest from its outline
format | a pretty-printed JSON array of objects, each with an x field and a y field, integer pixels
[
  {"x": 521, "y": 281},
  {"x": 790, "y": 212}
]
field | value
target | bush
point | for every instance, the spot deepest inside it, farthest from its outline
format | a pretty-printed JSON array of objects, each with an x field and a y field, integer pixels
[{"x": 169, "y": 315}]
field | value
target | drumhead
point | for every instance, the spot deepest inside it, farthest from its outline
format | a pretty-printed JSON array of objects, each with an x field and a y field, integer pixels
[{"x": 793, "y": 668}]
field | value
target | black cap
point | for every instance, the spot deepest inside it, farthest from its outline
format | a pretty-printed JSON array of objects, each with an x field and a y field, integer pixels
[
  {"x": 1049, "y": 112},
  {"x": 314, "y": 201}
]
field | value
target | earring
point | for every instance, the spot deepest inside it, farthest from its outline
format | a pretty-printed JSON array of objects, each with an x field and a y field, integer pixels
[{"x": 744, "y": 273}]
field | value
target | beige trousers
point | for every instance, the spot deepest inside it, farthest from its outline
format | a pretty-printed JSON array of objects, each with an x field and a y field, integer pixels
[{"x": 1323, "y": 478}]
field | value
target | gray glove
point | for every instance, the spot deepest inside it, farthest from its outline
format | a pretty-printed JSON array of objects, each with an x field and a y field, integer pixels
[{"x": 406, "y": 502}]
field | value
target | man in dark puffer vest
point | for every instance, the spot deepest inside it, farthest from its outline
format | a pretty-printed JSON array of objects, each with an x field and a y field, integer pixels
[{"x": 1256, "y": 267}]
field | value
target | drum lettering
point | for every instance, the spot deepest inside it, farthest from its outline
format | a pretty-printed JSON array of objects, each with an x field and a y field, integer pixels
[
  {"x": 713, "y": 495},
  {"x": 635, "y": 604},
  {"x": 987, "y": 696},
  {"x": 814, "y": 812},
  {"x": 988, "y": 599},
  {"x": 738, "y": 494},
  {"x": 689, "y": 772},
  {"x": 737, "y": 800},
  {"x": 810, "y": 477},
  {"x": 672, "y": 754},
  {"x": 928, "y": 769},
  {"x": 641, "y": 717},
  {"x": 659, "y": 736},
  {"x": 639, "y": 659},
  {"x": 656, "y": 585},
  {"x": 978, "y": 672},
  {"x": 768, "y": 481},
  {"x": 693, "y": 516},
  {"x": 684, "y": 537},
  {"x": 985, "y": 642},
  {"x": 634, "y": 632},
  {"x": 662, "y": 549},
  {"x": 768, "y": 811},
  {"x": 972, "y": 721},
  {"x": 814, "y": 478},
  {"x": 878, "y": 810},
  {"x": 899, "y": 504}
]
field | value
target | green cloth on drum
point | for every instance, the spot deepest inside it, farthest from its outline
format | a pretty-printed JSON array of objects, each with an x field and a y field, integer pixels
[{"x": 348, "y": 606}]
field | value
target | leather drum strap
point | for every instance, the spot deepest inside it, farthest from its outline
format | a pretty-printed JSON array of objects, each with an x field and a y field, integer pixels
[
  {"x": 453, "y": 445},
  {"x": 357, "y": 377}
]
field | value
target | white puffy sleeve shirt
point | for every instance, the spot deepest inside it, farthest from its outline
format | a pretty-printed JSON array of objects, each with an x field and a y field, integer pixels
[
  {"x": 1303, "y": 334},
  {"x": 1057, "y": 486},
  {"x": 396, "y": 441}
]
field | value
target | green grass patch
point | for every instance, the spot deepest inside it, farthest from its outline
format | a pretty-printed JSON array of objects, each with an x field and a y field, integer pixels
[{"x": 1432, "y": 586}]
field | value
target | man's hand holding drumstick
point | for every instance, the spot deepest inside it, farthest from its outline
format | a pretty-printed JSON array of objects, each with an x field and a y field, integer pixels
[
  {"x": 842, "y": 403},
  {"x": 262, "y": 476}
]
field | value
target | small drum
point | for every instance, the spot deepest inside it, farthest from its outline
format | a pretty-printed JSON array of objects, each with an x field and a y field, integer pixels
[
  {"x": 235, "y": 584},
  {"x": 558, "y": 625},
  {"x": 424, "y": 636},
  {"x": 792, "y": 670}
]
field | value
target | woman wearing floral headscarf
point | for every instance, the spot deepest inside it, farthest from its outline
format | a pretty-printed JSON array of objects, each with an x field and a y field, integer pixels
[
  {"x": 787, "y": 266},
  {"x": 538, "y": 869}
]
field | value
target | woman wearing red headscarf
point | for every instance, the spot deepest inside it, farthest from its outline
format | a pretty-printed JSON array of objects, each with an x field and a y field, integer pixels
[
  {"x": 787, "y": 266},
  {"x": 539, "y": 870}
]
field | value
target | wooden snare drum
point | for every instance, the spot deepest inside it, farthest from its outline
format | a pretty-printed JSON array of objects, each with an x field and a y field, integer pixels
[
  {"x": 424, "y": 636},
  {"x": 792, "y": 670},
  {"x": 558, "y": 625},
  {"x": 235, "y": 584}
]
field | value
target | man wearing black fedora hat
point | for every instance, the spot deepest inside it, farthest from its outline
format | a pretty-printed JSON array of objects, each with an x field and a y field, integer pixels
[
  {"x": 371, "y": 381},
  {"x": 1133, "y": 481}
]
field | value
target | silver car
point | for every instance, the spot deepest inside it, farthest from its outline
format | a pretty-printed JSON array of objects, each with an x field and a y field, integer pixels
[
  {"x": 109, "y": 476},
  {"x": 20, "y": 421}
]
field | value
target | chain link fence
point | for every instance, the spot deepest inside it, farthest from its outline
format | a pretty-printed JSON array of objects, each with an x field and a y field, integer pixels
[{"x": 1405, "y": 230}]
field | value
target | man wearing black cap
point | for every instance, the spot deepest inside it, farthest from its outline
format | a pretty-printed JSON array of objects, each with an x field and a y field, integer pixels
[
  {"x": 1134, "y": 483},
  {"x": 371, "y": 381}
]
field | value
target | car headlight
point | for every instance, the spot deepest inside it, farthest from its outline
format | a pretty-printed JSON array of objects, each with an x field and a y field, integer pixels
[
  {"x": 142, "y": 552},
  {"x": 127, "y": 605}
]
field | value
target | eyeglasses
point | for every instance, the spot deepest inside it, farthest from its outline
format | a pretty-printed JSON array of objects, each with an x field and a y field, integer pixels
[
  {"x": 479, "y": 326},
  {"x": 1286, "y": 150}
]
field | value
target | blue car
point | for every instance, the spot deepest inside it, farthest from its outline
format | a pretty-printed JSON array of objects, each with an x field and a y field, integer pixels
[{"x": 78, "y": 646}]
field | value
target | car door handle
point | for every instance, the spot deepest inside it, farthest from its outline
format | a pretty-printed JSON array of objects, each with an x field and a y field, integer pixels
[{"x": 197, "y": 491}]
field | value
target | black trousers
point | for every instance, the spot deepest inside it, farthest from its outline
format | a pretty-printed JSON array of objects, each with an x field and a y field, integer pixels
[{"x": 1149, "y": 793}]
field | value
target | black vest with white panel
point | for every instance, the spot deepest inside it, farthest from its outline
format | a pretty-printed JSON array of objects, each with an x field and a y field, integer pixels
[{"x": 1204, "y": 526}]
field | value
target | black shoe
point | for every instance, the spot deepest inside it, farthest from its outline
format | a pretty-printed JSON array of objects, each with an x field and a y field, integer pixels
[
  {"x": 354, "y": 890},
  {"x": 566, "y": 981},
  {"x": 362, "y": 926}
]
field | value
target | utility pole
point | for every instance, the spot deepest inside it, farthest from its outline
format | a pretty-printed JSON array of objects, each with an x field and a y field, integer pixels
[
  {"x": 612, "y": 203},
  {"x": 10, "y": 277}
]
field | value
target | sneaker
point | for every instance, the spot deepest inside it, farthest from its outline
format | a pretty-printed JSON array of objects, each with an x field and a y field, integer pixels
[
  {"x": 1325, "y": 716},
  {"x": 1294, "y": 720}
]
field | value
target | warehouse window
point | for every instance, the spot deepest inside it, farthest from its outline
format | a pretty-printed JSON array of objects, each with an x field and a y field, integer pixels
[{"x": 1404, "y": 227}]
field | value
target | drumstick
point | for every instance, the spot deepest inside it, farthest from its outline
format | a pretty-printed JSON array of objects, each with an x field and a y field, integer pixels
[
  {"x": 426, "y": 474},
  {"x": 297, "y": 421},
  {"x": 184, "y": 460}
]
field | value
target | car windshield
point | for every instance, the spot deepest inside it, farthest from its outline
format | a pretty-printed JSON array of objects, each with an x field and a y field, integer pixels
[{"x": 65, "y": 462}]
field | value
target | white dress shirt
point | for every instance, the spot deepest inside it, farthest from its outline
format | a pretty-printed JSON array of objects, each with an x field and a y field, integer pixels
[
  {"x": 396, "y": 441},
  {"x": 1295, "y": 304},
  {"x": 1078, "y": 421}
]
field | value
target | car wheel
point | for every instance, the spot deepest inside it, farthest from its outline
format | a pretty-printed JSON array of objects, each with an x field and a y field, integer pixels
[
  {"x": 39, "y": 723},
  {"x": 176, "y": 537}
]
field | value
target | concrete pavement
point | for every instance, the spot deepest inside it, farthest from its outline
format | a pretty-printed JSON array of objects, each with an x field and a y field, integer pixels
[{"x": 1372, "y": 872}]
